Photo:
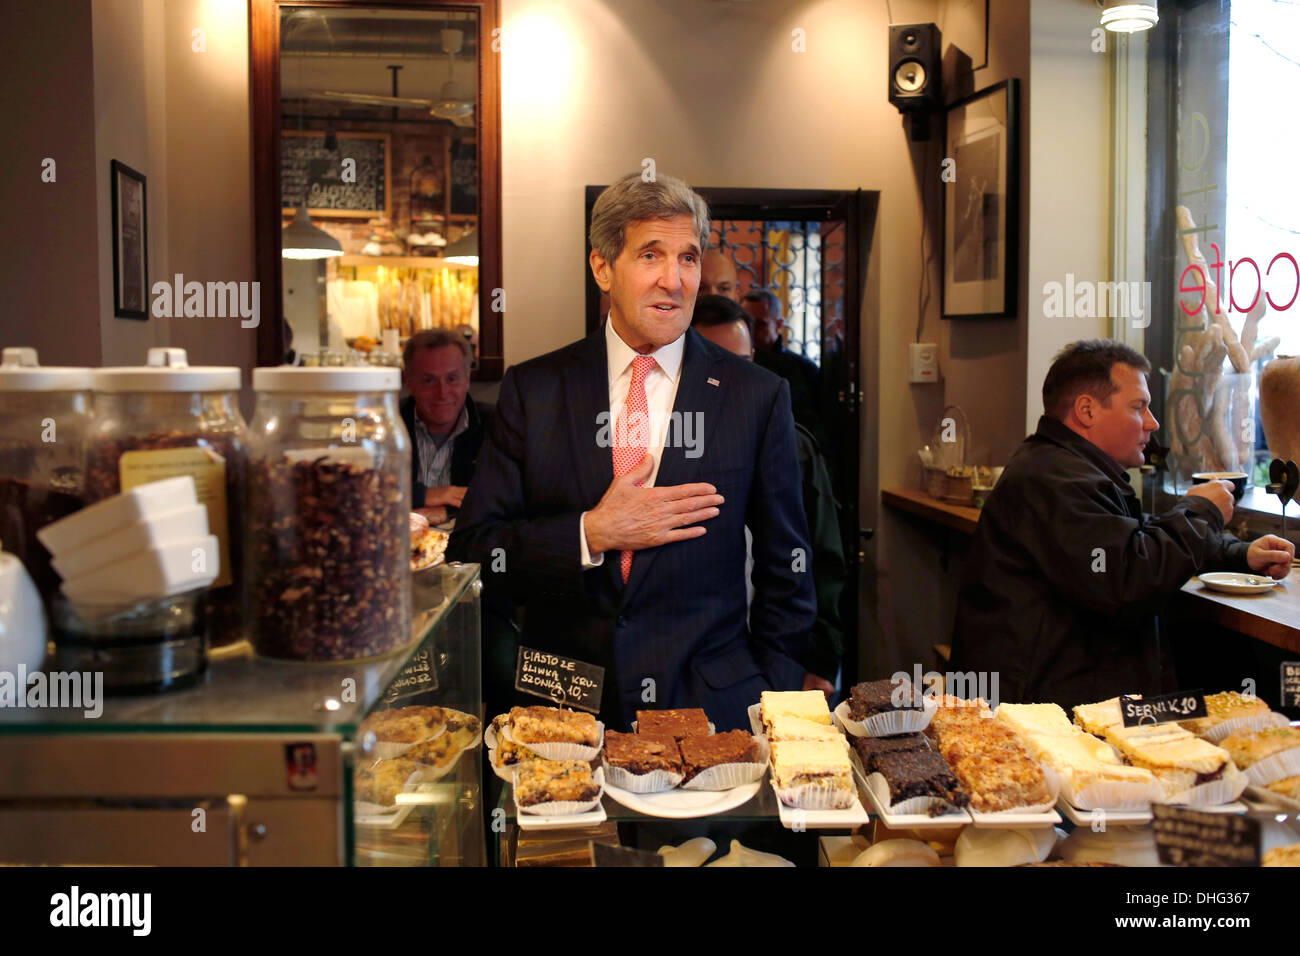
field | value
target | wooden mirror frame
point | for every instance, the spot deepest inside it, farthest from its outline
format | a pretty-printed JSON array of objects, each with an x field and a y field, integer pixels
[{"x": 264, "y": 70}]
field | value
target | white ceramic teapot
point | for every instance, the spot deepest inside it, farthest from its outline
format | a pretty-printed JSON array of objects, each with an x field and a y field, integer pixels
[{"x": 22, "y": 619}]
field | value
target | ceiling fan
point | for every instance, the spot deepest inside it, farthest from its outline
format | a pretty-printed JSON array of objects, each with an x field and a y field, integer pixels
[{"x": 450, "y": 105}]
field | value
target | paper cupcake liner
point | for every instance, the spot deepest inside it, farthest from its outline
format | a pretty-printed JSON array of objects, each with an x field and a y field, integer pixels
[
  {"x": 1224, "y": 790},
  {"x": 565, "y": 808},
  {"x": 1272, "y": 798},
  {"x": 879, "y": 788},
  {"x": 1033, "y": 808},
  {"x": 889, "y": 724},
  {"x": 815, "y": 796},
  {"x": 1103, "y": 795},
  {"x": 490, "y": 735},
  {"x": 727, "y": 776},
  {"x": 1276, "y": 767},
  {"x": 1219, "y": 732},
  {"x": 552, "y": 750},
  {"x": 756, "y": 719},
  {"x": 656, "y": 781}
]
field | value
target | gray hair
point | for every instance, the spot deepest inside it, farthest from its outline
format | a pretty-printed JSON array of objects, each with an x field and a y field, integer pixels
[
  {"x": 769, "y": 299},
  {"x": 436, "y": 339},
  {"x": 631, "y": 200}
]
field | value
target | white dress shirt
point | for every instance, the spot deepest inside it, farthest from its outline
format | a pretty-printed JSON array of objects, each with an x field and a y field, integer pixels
[{"x": 660, "y": 394}]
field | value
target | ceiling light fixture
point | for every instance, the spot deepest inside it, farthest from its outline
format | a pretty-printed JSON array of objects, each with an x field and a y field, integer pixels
[
  {"x": 301, "y": 240},
  {"x": 1125, "y": 16}
]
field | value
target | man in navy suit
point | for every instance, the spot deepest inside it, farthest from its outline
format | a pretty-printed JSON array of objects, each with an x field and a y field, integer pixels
[{"x": 611, "y": 501}]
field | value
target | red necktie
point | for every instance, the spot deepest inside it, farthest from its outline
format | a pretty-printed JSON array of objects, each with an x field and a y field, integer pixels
[{"x": 632, "y": 433}]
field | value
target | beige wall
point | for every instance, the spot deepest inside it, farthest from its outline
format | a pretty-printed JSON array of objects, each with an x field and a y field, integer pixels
[
  {"x": 123, "y": 59},
  {"x": 210, "y": 209},
  {"x": 1069, "y": 195},
  {"x": 119, "y": 79},
  {"x": 49, "y": 268}
]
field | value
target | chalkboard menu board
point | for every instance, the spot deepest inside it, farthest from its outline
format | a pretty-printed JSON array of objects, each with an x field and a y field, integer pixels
[{"x": 331, "y": 186}]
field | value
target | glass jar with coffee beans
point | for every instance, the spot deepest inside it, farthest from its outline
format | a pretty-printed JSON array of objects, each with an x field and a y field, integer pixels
[{"x": 329, "y": 497}]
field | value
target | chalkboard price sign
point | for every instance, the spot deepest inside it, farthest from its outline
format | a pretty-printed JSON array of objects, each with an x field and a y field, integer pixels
[
  {"x": 1184, "y": 705},
  {"x": 350, "y": 182},
  {"x": 1193, "y": 838},
  {"x": 417, "y": 677},
  {"x": 560, "y": 680},
  {"x": 1291, "y": 685}
]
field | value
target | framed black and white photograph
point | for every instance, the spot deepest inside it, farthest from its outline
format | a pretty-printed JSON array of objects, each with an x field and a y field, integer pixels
[
  {"x": 981, "y": 207},
  {"x": 130, "y": 244}
]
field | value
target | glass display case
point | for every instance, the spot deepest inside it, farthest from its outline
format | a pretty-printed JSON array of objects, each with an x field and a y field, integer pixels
[{"x": 259, "y": 763}]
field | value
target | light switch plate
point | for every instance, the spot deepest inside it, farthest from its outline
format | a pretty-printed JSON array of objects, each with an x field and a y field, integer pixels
[{"x": 924, "y": 363}]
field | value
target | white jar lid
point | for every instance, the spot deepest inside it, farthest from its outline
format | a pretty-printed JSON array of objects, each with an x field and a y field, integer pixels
[
  {"x": 346, "y": 378},
  {"x": 21, "y": 371},
  {"x": 167, "y": 370}
]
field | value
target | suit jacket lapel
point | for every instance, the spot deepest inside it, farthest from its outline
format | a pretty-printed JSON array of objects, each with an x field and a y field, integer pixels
[
  {"x": 587, "y": 390},
  {"x": 696, "y": 408}
]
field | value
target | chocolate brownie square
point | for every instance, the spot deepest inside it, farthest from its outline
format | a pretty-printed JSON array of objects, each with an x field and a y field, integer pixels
[
  {"x": 869, "y": 748},
  {"x": 877, "y": 697},
  {"x": 637, "y": 754},
  {"x": 711, "y": 750},
  {"x": 689, "y": 722},
  {"x": 920, "y": 773}
]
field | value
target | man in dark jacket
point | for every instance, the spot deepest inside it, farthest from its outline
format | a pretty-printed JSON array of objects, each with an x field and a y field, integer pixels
[
  {"x": 724, "y": 323},
  {"x": 1067, "y": 576},
  {"x": 445, "y": 424}
]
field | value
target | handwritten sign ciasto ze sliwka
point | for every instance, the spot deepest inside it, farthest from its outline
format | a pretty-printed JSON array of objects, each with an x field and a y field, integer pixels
[{"x": 560, "y": 680}]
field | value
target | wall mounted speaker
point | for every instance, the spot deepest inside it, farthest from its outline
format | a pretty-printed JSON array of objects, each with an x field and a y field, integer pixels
[{"x": 915, "y": 67}]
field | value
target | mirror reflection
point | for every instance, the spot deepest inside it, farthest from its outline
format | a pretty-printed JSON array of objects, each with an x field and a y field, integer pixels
[{"x": 378, "y": 179}]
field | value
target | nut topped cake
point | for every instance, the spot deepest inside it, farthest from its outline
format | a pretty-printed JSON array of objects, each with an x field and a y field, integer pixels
[
  {"x": 1003, "y": 780},
  {"x": 919, "y": 773},
  {"x": 539, "y": 725},
  {"x": 712, "y": 750},
  {"x": 869, "y": 748},
  {"x": 544, "y": 781},
  {"x": 879, "y": 696},
  {"x": 687, "y": 722},
  {"x": 1250, "y": 747},
  {"x": 988, "y": 757},
  {"x": 1223, "y": 707},
  {"x": 639, "y": 754}
]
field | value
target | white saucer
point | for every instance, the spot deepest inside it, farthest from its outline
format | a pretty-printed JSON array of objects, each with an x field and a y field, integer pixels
[{"x": 1234, "y": 582}]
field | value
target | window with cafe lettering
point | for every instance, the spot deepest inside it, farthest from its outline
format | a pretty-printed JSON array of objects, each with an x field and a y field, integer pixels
[{"x": 1223, "y": 234}]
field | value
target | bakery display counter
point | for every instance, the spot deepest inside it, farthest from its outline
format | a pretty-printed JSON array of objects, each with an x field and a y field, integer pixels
[
  {"x": 893, "y": 777},
  {"x": 266, "y": 762}
]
